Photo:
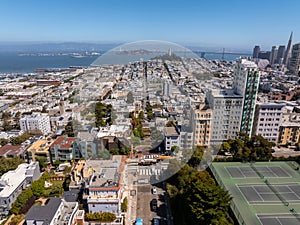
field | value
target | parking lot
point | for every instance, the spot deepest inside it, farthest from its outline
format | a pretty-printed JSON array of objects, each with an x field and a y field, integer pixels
[{"x": 144, "y": 198}]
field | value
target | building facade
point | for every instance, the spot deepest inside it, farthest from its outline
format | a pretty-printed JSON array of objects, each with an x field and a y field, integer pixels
[
  {"x": 226, "y": 117},
  {"x": 294, "y": 62},
  {"x": 289, "y": 132},
  {"x": 246, "y": 82},
  {"x": 62, "y": 149},
  {"x": 280, "y": 54},
  {"x": 256, "y": 51},
  {"x": 202, "y": 121},
  {"x": 36, "y": 123},
  {"x": 172, "y": 138},
  {"x": 267, "y": 120},
  {"x": 103, "y": 192}
]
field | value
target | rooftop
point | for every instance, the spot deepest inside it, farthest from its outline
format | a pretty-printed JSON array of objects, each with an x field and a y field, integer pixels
[
  {"x": 170, "y": 131},
  {"x": 104, "y": 173},
  {"x": 40, "y": 146},
  {"x": 63, "y": 142},
  {"x": 12, "y": 179},
  {"x": 10, "y": 150},
  {"x": 44, "y": 213}
]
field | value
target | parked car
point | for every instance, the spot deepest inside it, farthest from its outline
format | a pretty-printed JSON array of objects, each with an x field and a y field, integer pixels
[
  {"x": 155, "y": 221},
  {"x": 154, "y": 204},
  {"x": 154, "y": 191}
]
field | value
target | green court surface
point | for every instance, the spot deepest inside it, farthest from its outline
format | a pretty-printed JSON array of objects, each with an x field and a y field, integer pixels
[{"x": 264, "y": 193}]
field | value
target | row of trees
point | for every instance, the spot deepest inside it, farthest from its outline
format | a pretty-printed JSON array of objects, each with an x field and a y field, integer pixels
[
  {"x": 137, "y": 126},
  {"x": 103, "y": 114},
  {"x": 7, "y": 164},
  {"x": 28, "y": 196},
  {"x": 244, "y": 148},
  {"x": 15, "y": 140},
  {"x": 195, "y": 196},
  {"x": 100, "y": 217}
]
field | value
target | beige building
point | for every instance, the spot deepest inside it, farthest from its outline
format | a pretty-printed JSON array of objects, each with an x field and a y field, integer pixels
[
  {"x": 289, "y": 131},
  {"x": 39, "y": 148},
  {"x": 202, "y": 119}
]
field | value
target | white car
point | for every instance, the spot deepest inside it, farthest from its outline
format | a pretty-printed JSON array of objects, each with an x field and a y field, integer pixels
[{"x": 154, "y": 191}]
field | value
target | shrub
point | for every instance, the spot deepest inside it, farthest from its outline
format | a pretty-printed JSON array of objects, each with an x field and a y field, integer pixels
[{"x": 100, "y": 217}]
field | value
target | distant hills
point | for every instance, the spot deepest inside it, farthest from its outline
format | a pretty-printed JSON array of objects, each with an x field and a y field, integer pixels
[{"x": 69, "y": 47}]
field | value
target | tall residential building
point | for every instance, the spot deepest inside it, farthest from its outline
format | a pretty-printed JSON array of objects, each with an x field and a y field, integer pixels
[
  {"x": 256, "y": 51},
  {"x": 246, "y": 82},
  {"x": 274, "y": 53},
  {"x": 294, "y": 62},
  {"x": 226, "y": 117},
  {"x": 288, "y": 50},
  {"x": 36, "y": 123},
  {"x": 280, "y": 54},
  {"x": 202, "y": 117},
  {"x": 267, "y": 120}
]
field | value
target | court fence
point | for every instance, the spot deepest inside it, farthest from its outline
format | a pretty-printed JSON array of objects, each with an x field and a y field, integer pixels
[{"x": 233, "y": 206}]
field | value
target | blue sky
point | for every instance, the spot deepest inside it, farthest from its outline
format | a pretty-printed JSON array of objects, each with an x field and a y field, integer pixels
[{"x": 221, "y": 23}]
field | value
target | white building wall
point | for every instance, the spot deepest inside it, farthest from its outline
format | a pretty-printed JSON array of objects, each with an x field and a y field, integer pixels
[
  {"x": 226, "y": 118},
  {"x": 36, "y": 122},
  {"x": 268, "y": 117}
]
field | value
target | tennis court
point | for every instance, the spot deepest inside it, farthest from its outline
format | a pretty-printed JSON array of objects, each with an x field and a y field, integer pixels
[
  {"x": 279, "y": 219},
  {"x": 263, "y": 194},
  {"x": 251, "y": 172}
]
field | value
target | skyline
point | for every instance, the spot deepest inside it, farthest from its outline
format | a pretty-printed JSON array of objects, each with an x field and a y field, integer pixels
[{"x": 207, "y": 24}]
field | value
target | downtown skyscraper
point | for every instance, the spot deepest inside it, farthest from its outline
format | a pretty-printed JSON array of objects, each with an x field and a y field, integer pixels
[{"x": 288, "y": 50}]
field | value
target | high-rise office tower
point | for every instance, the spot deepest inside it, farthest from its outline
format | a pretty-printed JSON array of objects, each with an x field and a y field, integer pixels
[
  {"x": 264, "y": 55},
  {"x": 246, "y": 82},
  {"x": 280, "y": 54},
  {"x": 294, "y": 62},
  {"x": 288, "y": 50},
  {"x": 274, "y": 52},
  {"x": 256, "y": 51}
]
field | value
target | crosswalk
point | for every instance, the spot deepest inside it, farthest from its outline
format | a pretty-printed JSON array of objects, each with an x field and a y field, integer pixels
[{"x": 149, "y": 171}]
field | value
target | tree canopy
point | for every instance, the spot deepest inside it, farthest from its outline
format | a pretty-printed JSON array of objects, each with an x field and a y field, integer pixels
[
  {"x": 244, "y": 148},
  {"x": 195, "y": 196}
]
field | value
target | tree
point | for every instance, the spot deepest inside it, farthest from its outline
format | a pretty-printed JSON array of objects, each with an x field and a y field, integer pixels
[
  {"x": 141, "y": 115},
  {"x": 7, "y": 164},
  {"x": 196, "y": 157},
  {"x": 38, "y": 187},
  {"x": 43, "y": 161},
  {"x": 124, "y": 205},
  {"x": 3, "y": 141},
  {"x": 69, "y": 131},
  {"x": 20, "y": 139},
  {"x": 21, "y": 201},
  {"x": 225, "y": 146},
  {"x": 130, "y": 98},
  {"x": 170, "y": 123},
  {"x": 197, "y": 199},
  {"x": 100, "y": 217}
]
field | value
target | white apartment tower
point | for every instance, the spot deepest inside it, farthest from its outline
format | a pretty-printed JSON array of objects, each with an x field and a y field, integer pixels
[
  {"x": 35, "y": 123},
  {"x": 268, "y": 117},
  {"x": 226, "y": 117},
  {"x": 245, "y": 83}
]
